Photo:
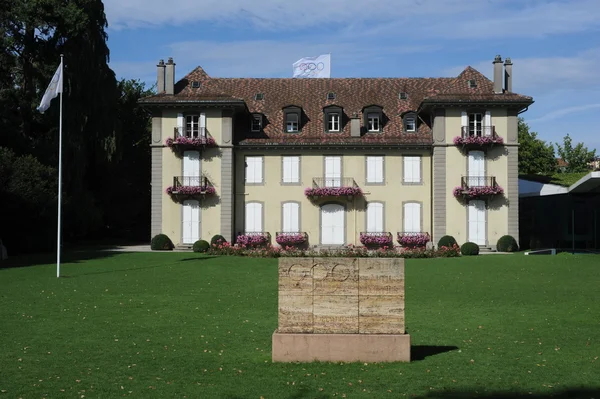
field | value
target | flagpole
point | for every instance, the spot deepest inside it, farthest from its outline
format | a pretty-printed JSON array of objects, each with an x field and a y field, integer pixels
[{"x": 59, "y": 171}]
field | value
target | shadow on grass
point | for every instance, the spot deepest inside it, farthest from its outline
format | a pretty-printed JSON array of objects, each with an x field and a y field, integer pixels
[
  {"x": 420, "y": 352},
  {"x": 572, "y": 393},
  {"x": 198, "y": 258},
  {"x": 300, "y": 394},
  {"x": 50, "y": 257}
]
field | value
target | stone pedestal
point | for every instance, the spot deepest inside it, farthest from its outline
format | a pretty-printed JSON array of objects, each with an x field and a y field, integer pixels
[{"x": 341, "y": 309}]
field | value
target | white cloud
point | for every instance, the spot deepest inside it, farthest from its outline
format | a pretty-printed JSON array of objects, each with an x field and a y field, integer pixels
[{"x": 464, "y": 19}]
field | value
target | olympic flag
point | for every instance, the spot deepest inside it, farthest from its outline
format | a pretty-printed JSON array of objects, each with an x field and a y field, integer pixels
[{"x": 313, "y": 67}]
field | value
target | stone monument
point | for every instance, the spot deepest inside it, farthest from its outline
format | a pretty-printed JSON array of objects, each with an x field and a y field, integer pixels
[{"x": 341, "y": 309}]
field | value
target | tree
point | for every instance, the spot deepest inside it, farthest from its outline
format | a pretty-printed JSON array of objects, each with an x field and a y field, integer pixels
[
  {"x": 577, "y": 158},
  {"x": 535, "y": 156}
]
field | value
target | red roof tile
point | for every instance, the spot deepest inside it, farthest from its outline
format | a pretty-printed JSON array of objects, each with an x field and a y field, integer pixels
[{"x": 352, "y": 94}]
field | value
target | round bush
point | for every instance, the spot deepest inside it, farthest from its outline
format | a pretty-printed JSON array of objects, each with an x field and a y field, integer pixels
[
  {"x": 161, "y": 242},
  {"x": 201, "y": 246},
  {"x": 469, "y": 248},
  {"x": 507, "y": 244},
  {"x": 217, "y": 240},
  {"x": 447, "y": 241}
]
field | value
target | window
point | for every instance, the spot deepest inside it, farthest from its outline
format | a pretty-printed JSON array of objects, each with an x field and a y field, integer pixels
[
  {"x": 333, "y": 123},
  {"x": 475, "y": 124},
  {"x": 259, "y": 96},
  {"x": 403, "y": 95},
  {"x": 254, "y": 170},
  {"x": 472, "y": 83},
  {"x": 291, "y": 217},
  {"x": 375, "y": 169},
  {"x": 331, "y": 96},
  {"x": 333, "y": 118},
  {"x": 412, "y": 169},
  {"x": 410, "y": 122},
  {"x": 374, "y": 217},
  {"x": 373, "y": 122},
  {"x": 373, "y": 118},
  {"x": 192, "y": 125},
  {"x": 292, "y": 119},
  {"x": 333, "y": 171},
  {"x": 292, "y": 123},
  {"x": 254, "y": 217},
  {"x": 256, "y": 124},
  {"x": 291, "y": 169},
  {"x": 412, "y": 217}
]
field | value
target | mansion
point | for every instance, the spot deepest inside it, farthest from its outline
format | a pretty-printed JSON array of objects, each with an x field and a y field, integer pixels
[{"x": 335, "y": 160}]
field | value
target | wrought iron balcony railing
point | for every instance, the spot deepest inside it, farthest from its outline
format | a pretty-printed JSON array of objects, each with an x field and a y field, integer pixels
[
  {"x": 191, "y": 185},
  {"x": 468, "y": 182},
  {"x": 191, "y": 138},
  {"x": 321, "y": 182},
  {"x": 480, "y": 131}
]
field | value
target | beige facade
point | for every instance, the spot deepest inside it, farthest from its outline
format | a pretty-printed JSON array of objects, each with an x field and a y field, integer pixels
[{"x": 268, "y": 149}]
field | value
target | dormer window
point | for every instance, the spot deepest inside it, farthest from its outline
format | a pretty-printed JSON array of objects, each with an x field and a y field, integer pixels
[
  {"x": 410, "y": 122},
  {"x": 333, "y": 118},
  {"x": 292, "y": 119},
  {"x": 472, "y": 83},
  {"x": 331, "y": 96},
  {"x": 259, "y": 96},
  {"x": 256, "y": 123},
  {"x": 403, "y": 95},
  {"x": 373, "y": 118}
]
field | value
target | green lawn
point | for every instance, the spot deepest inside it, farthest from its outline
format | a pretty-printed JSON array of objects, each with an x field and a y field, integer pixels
[{"x": 176, "y": 325}]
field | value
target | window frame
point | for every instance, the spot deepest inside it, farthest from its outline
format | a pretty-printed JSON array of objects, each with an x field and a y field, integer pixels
[
  {"x": 368, "y": 113},
  {"x": 290, "y": 183},
  {"x": 378, "y": 203},
  {"x": 375, "y": 183},
  {"x": 254, "y": 118},
  {"x": 475, "y": 131},
  {"x": 295, "y": 111},
  {"x": 262, "y": 171},
  {"x": 419, "y": 218},
  {"x": 262, "y": 216},
  {"x": 404, "y": 170},
  {"x": 298, "y": 216},
  {"x": 188, "y": 127},
  {"x": 410, "y": 116},
  {"x": 327, "y": 112}
]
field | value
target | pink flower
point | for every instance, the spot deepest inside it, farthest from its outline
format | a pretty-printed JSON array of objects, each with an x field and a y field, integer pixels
[
  {"x": 191, "y": 190},
  {"x": 478, "y": 140},
  {"x": 191, "y": 141},
  {"x": 332, "y": 191},
  {"x": 289, "y": 239},
  {"x": 413, "y": 239},
  {"x": 475, "y": 192},
  {"x": 380, "y": 239}
]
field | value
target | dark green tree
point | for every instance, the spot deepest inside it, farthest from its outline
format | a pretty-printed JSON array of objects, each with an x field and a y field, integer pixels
[
  {"x": 577, "y": 158},
  {"x": 535, "y": 156}
]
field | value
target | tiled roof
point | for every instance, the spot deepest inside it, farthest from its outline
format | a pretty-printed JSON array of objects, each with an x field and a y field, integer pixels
[{"x": 352, "y": 94}]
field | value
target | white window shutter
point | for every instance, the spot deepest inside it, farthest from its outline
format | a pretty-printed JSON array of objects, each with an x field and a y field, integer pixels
[
  {"x": 416, "y": 169},
  {"x": 258, "y": 169},
  {"x": 464, "y": 119},
  {"x": 412, "y": 217},
  {"x": 295, "y": 169},
  {"x": 180, "y": 124},
  {"x": 375, "y": 217},
  {"x": 202, "y": 124},
  {"x": 487, "y": 123},
  {"x": 291, "y": 217},
  {"x": 253, "y": 217},
  {"x": 254, "y": 170},
  {"x": 379, "y": 170},
  {"x": 371, "y": 175}
]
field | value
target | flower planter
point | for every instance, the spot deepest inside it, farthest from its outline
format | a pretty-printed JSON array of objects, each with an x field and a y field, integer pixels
[
  {"x": 291, "y": 239},
  {"x": 471, "y": 142},
  {"x": 191, "y": 190},
  {"x": 376, "y": 240},
  {"x": 413, "y": 240},
  {"x": 253, "y": 239},
  {"x": 470, "y": 193},
  {"x": 318, "y": 192},
  {"x": 181, "y": 143}
]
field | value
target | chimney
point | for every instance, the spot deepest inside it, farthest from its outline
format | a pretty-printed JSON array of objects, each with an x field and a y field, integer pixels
[
  {"x": 497, "y": 74},
  {"x": 355, "y": 125},
  {"x": 160, "y": 76},
  {"x": 508, "y": 75},
  {"x": 170, "y": 77}
]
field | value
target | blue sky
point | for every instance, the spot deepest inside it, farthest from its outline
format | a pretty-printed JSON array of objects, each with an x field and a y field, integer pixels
[{"x": 554, "y": 45}]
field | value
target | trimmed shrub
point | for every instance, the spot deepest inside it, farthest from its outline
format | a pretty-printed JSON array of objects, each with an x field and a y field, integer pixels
[
  {"x": 469, "y": 248},
  {"x": 217, "y": 240},
  {"x": 507, "y": 244},
  {"x": 201, "y": 246},
  {"x": 161, "y": 242},
  {"x": 447, "y": 241}
]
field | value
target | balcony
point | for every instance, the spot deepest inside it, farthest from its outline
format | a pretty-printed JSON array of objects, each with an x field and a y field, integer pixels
[
  {"x": 333, "y": 187},
  {"x": 186, "y": 140},
  {"x": 413, "y": 239},
  {"x": 479, "y": 137},
  {"x": 190, "y": 187},
  {"x": 383, "y": 239},
  {"x": 475, "y": 187},
  {"x": 287, "y": 239}
]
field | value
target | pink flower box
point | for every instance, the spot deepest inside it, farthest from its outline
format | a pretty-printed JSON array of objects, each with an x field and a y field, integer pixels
[
  {"x": 376, "y": 239},
  {"x": 191, "y": 190},
  {"x": 290, "y": 239},
  {"x": 413, "y": 239},
  {"x": 332, "y": 191},
  {"x": 478, "y": 140},
  {"x": 191, "y": 142},
  {"x": 476, "y": 192}
]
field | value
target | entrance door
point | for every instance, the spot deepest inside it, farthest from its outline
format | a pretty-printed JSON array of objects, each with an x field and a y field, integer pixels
[
  {"x": 476, "y": 169},
  {"x": 191, "y": 168},
  {"x": 191, "y": 221},
  {"x": 477, "y": 226},
  {"x": 332, "y": 224},
  {"x": 333, "y": 171}
]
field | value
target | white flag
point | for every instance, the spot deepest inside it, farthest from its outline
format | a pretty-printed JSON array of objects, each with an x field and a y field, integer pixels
[
  {"x": 313, "y": 67},
  {"x": 55, "y": 87}
]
